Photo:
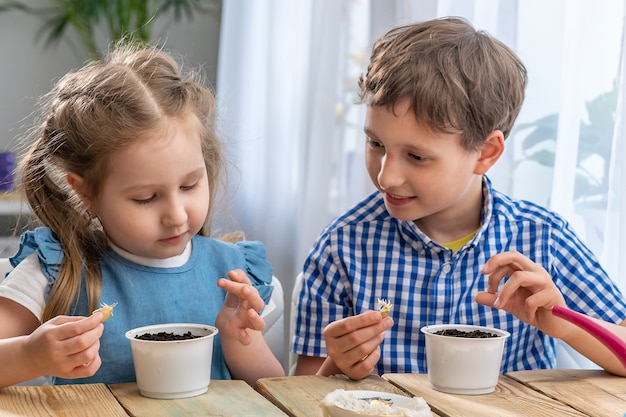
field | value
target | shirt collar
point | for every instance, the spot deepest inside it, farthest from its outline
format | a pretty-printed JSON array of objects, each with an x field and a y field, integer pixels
[
  {"x": 173, "y": 262},
  {"x": 420, "y": 241}
]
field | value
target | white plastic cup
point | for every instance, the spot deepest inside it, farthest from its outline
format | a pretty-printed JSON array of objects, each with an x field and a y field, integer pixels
[
  {"x": 462, "y": 365},
  {"x": 173, "y": 369}
]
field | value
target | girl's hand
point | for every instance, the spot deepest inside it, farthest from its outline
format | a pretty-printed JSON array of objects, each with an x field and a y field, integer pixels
[
  {"x": 529, "y": 292},
  {"x": 241, "y": 307},
  {"x": 353, "y": 342},
  {"x": 65, "y": 346}
]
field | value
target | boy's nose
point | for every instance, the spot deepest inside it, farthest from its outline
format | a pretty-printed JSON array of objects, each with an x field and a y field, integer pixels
[{"x": 390, "y": 174}]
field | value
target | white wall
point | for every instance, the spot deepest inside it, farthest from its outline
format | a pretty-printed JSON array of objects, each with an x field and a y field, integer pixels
[{"x": 28, "y": 69}]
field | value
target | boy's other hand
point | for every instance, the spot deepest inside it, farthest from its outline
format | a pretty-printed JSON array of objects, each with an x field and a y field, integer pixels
[
  {"x": 529, "y": 292},
  {"x": 353, "y": 342}
]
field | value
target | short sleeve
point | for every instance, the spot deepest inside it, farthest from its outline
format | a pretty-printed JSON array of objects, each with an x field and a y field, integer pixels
[
  {"x": 257, "y": 267},
  {"x": 48, "y": 249}
]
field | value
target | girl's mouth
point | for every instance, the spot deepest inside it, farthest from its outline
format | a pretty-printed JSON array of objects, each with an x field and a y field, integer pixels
[{"x": 174, "y": 239}]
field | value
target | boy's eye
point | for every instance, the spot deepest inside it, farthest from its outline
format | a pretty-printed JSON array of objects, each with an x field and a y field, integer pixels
[
  {"x": 374, "y": 144},
  {"x": 416, "y": 157}
]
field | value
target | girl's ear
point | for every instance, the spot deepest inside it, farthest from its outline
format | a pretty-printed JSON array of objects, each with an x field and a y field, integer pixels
[
  {"x": 77, "y": 183},
  {"x": 490, "y": 152}
]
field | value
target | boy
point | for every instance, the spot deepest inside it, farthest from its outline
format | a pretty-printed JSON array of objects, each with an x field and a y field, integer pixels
[{"x": 441, "y": 99}]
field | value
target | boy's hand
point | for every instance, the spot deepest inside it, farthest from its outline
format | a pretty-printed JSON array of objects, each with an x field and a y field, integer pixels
[
  {"x": 528, "y": 293},
  {"x": 353, "y": 342},
  {"x": 66, "y": 346},
  {"x": 241, "y": 307}
]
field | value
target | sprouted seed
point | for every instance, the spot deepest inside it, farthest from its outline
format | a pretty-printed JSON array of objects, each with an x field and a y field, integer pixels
[
  {"x": 384, "y": 307},
  {"x": 106, "y": 310}
]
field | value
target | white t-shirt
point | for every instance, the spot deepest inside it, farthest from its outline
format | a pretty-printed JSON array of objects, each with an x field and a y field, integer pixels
[{"x": 26, "y": 283}]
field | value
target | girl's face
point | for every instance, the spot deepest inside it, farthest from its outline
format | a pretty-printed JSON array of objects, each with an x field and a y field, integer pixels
[
  {"x": 425, "y": 177},
  {"x": 156, "y": 197}
]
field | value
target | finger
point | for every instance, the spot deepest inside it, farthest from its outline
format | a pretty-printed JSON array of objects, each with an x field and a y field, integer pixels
[
  {"x": 237, "y": 275},
  {"x": 255, "y": 321},
  {"x": 355, "y": 345},
  {"x": 505, "y": 265},
  {"x": 531, "y": 281},
  {"x": 244, "y": 292},
  {"x": 244, "y": 337},
  {"x": 73, "y": 328},
  {"x": 495, "y": 278},
  {"x": 88, "y": 368},
  {"x": 512, "y": 259},
  {"x": 351, "y": 324},
  {"x": 363, "y": 366},
  {"x": 544, "y": 299},
  {"x": 58, "y": 320},
  {"x": 251, "y": 295},
  {"x": 486, "y": 298}
]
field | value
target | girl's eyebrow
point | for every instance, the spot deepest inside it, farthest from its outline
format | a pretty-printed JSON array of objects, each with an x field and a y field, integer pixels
[{"x": 191, "y": 174}]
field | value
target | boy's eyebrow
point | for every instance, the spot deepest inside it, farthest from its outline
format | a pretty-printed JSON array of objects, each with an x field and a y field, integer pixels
[{"x": 369, "y": 132}]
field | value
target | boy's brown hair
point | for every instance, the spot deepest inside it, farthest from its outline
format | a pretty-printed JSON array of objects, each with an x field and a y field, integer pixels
[{"x": 457, "y": 79}]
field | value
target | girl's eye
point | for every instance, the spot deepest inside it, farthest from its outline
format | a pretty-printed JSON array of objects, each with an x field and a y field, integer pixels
[
  {"x": 189, "y": 187},
  {"x": 145, "y": 200}
]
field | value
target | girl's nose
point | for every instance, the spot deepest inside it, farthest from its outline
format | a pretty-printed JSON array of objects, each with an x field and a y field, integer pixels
[{"x": 175, "y": 213}]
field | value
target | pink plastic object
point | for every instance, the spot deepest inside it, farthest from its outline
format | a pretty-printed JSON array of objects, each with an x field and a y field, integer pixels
[{"x": 608, "y": 338}]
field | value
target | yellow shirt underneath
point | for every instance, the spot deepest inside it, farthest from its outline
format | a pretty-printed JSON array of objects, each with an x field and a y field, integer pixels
[{"x": 458, "y": 244}]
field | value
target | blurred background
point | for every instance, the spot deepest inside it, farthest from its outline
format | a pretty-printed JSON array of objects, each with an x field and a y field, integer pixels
[{"x": 285, "y": 75}]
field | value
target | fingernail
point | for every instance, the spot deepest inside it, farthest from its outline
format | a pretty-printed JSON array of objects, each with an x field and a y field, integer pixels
[{"x": 497, "y": 302}]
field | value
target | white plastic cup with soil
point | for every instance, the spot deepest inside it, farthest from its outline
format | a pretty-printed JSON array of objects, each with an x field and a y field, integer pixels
[
  {"x": 464, "y": 359},
  {"x": 168, "y": 369}
]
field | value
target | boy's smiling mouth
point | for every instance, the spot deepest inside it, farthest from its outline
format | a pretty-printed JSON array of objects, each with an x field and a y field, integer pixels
[{"x": 397, "y": 200}]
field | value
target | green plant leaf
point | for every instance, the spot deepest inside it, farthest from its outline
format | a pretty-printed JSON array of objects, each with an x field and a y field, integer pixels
[{"x": 124, "y": 20}]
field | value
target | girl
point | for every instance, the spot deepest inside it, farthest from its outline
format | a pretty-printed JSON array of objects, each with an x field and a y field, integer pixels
[{"x": 123, "y": 175}]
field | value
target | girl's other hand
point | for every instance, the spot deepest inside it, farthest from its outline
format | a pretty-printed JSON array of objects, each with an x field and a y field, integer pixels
[
  {"x": 241, "y": 307},
  {"x": 66, "y": 346}
]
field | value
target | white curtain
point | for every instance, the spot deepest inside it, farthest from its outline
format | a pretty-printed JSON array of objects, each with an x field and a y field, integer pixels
[
  {"x": 286, "y": 85},
  {"x": 614, "y": 248}
]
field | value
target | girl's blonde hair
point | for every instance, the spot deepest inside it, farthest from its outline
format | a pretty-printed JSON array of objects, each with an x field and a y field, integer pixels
[{"x": 88, "y": 116}]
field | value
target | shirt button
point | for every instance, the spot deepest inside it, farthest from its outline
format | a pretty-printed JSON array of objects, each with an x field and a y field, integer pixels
[{"x": 446, "y": 268}]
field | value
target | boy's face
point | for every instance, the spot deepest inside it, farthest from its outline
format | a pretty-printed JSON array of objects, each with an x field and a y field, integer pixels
[
  {"x": 425, "y": 177},
  {"x": 156, "y": 196}
]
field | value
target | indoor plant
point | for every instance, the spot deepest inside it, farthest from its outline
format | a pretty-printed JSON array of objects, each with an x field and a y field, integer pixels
[
  {"x": 595, "y": 141},
  {"x": 126, "y": 20}
]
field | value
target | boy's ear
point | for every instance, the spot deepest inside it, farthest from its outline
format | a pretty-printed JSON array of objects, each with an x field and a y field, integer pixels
[
  {"x": 490, "y": 152},
  {"x": 77, "y": 183}
]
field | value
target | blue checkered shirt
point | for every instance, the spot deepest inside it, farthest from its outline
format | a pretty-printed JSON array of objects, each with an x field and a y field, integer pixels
[{"x": 366, "y": 254}]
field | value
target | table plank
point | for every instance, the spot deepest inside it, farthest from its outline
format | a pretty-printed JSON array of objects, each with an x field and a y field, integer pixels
[
  {"x": 224, "y": 398},
  {"x": 510, "y": 399},
  {"x": 59, "y": 400},
  {"x": 594, "y": 392},
  {"x": 300, "y": 396}
]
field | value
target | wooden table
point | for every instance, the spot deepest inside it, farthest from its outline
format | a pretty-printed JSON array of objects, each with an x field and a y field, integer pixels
[
  {"x": 224, "y": 398},
  {"x": 301, "y": 395},
  {"x": 526, "y": 393}
]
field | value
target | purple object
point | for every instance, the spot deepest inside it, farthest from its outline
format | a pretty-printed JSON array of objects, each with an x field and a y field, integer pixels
[
  {"x": 608, "y": 338},
  {"x": 7, "y": 166}
]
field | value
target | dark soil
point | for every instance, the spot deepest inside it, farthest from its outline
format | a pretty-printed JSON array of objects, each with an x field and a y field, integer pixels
[
  {"x": 473, "y": 334},
  {"x": 165, "y": 336}
]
